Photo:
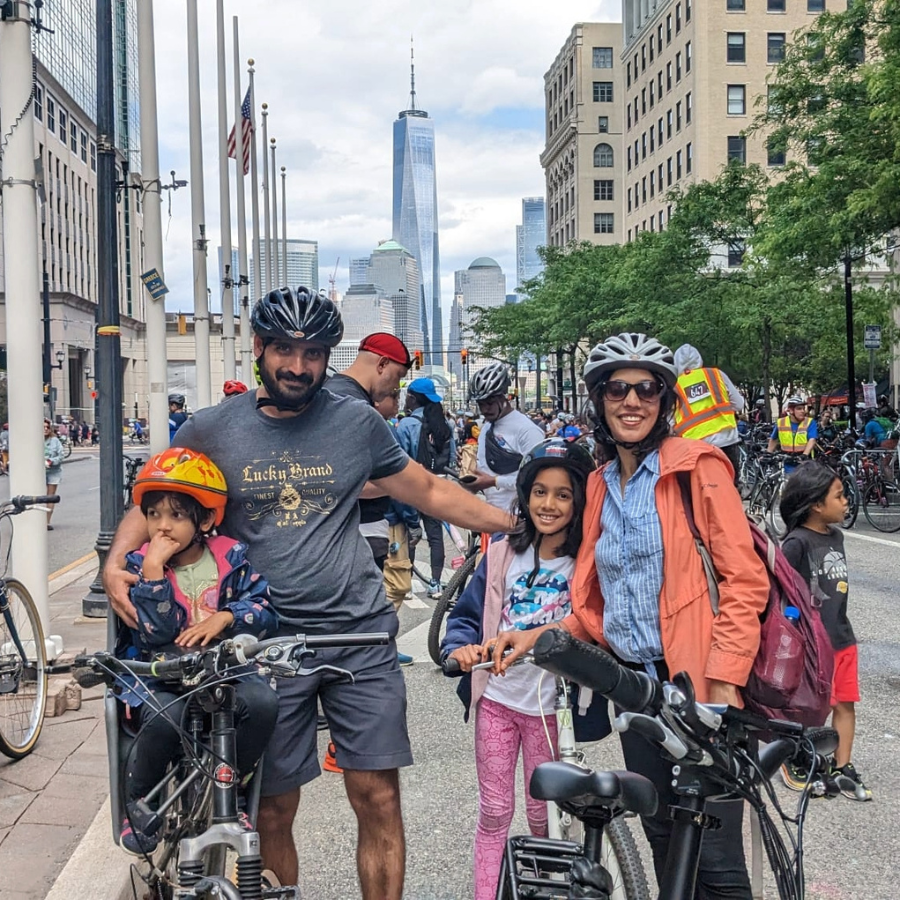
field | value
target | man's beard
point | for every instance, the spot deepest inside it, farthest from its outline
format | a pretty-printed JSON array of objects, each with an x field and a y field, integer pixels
[{"x": 290, "y": 391}]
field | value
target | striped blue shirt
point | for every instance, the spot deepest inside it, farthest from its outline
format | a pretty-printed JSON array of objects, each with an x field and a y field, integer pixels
[{"x": 629, "y": 559}]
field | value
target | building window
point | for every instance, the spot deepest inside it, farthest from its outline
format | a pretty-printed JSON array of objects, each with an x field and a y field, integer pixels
[
  {"x": 643, "y": 57},
  {"x": 735, "y": 253},
  {"x": 603, "y": 92},
  {"x": 643, "y": 101},
  {"x": 635, "y": 110},
  {"x": 688, "y": 107},
  {"x": 652, "y": 95},
  {"x": 644, "y": 189},
  {"x": 644, "y": 145},
  {"x": 603, "y": 124},
  {"x": 603, "y": 156},
  {"x": 775, "y": 46},
  {"x": 678, "y": 116},
  {"x": 39, "y": 102},
  {"x": 603, "y": 189},
  {"x": 51, "y": 114},
  {"x": 629, "y": 157},
  {"x": 815, "y": 5},
  {"x": 629, "y": 199},
  {"x": 652, "y": 41},
  {"x": 688, "y": 9},
  {"x": 677, "y": 67},
  {"x": 659, "y": 131},
  {"x": 735, "y": 5},
  {"x": 775, "y": 151},
  {"x": 669, "y": 28},
  {"x": 659, "y": 83},
  {"x": 669, "y": 125},
  {"x": 737, "y": 47},
  {"x": 63, "y": 125},
  {"x": 737, "y": 149},
  {"x": 689, "y": 158},
  {"x": 603, "y": 57},
  {"x": 628, "y": 74},
  {"x": 84, "y": 142},
  {"x": 677, "y": 18},
  {"x": 73, "y": 137},
  {"x": 816, "y": 46},
  {"x": 604, "y": 223},
  {"x": 678, "y": 157},
  {"x": 668, "y": 76},
  {"x": 687, "y": 56},
  {"x": 737, "y": 99},
  {"x": 775, "y": 6},
  {"x": 652, "y": 140},
  {"x": 652, "y": 185},
  {"x": 628, "y": 113},
  {"x": 659, "y": 175},
  {"x": 93, "y": 157},
  {"x": 659, "y": 42}
]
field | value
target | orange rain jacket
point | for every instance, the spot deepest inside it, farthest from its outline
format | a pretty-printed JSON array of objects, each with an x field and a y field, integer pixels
[{"x": 721, "y": 648}]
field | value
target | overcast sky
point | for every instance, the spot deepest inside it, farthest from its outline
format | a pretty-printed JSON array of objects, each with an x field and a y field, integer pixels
[{"x": 335, "y": 73}]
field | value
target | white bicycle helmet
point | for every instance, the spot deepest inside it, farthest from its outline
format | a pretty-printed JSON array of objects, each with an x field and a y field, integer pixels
[
  {"x": 630, "y": 350},
  {"x": 491, "y": 381}
]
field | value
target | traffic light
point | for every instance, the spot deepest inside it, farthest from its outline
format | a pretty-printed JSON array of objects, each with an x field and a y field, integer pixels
[
  {"x": 417, "y": 359},
  {"x": 182, "y": 323},
  {"x": 464, "y": 357}
]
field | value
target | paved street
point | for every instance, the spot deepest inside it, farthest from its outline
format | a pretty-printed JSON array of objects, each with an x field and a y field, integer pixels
[{"x": 850, "y": 846}]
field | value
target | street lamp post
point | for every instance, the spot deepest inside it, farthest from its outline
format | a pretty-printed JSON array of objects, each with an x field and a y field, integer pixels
[{"x": 851, "y": 359}]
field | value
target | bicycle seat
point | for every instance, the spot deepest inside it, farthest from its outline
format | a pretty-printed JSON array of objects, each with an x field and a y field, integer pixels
[{"x": 563, "y": 782}]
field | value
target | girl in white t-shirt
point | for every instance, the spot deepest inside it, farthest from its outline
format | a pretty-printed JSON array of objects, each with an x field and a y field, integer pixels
[{"x": 522, "y": 583}]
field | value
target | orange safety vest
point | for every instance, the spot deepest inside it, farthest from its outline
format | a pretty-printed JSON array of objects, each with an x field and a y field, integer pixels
[
  {"x": 793, "y": 441},
  {"x": 702, "y": 405}
]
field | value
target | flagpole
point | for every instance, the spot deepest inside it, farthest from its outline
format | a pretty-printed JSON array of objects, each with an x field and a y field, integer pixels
[
  {"x": 284, "y": 227},
  {"x": 227, "y": 273},
  {"x": 198, "y": 215},
  {"x": 254, "y": 200},
  {"x": 239, "y": 154},
  {"x": 276, "y": 274},
  {"x": 270, "y": 281}
]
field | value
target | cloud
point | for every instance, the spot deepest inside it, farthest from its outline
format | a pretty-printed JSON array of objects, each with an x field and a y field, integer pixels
[{"x": 335, "y": 73}]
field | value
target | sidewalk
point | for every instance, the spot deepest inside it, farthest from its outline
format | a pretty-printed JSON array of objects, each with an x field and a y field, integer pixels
[{"x": 49, "y": 800}]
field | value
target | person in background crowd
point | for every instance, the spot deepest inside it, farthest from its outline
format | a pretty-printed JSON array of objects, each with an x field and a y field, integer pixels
[
  {"x": 706, "y": 402},
  {"x": 177, "y": 415},
  {"x": 827, "y": 429},
  {"x": 794, "y": 433},
  {"x": 873, "y": 431},
  {"x": 232, "y": 388},
  {"x": 468, "y": 451},
  {"x": 4, "y": 449},
  {"x": 95, "y": 435},
  {"x": 53, "y": 457},
  {"x": 885, "y": 410}
]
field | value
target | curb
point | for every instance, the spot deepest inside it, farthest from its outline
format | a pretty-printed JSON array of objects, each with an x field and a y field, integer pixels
[
  {"x": 85, "y": 877},
  {"x": 73, "y": 458}
]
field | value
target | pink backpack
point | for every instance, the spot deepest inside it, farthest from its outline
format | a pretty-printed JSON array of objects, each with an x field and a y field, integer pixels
[{"x": 792, "y": 673}]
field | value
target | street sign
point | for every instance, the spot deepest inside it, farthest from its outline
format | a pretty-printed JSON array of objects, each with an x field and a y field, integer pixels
[
  {"x": 872, "y": 337},
  {"x": 155, "y": 285}
]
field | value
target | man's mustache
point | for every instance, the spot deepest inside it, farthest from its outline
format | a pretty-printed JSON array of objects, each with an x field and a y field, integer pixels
[{"x": 304, "y": 379}]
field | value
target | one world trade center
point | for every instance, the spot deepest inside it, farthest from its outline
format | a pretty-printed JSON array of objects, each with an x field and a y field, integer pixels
[{"x": 415, "y": 214}]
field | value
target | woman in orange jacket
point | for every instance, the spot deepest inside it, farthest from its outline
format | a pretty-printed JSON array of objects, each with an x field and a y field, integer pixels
[{"x": 639, "y": 588}]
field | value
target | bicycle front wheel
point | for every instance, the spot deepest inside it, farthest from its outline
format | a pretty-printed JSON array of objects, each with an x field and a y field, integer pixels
[
  {"x": 23, "y": 671},
  {"x": 849, "y": 485},
  {"x": 881, "y": 506},
  {"x": 622, "y": 859},
  {"x": 445, "y": 603}
]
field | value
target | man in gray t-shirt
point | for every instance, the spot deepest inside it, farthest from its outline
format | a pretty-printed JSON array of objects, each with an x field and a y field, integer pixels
[{"x": 296, "y": 459}]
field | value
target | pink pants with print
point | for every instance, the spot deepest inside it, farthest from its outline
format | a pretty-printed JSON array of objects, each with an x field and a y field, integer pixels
[{"x": 499, "y": 732}]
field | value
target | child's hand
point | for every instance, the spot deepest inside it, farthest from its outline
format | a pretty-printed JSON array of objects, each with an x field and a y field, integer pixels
[
  {"x": 467, "y": 656},
  {"x": 162, "y": 548},
  {"x": 205, "y": 631}
]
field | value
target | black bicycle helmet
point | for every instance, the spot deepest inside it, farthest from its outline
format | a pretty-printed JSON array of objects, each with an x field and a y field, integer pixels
[
  {"x": 549, "y": 453},
  {"x": 177, "y": 399},
  {"x": 630, "y": 350},
  {"x": 491, "y": 381},
  {"x": 299, "y": 315}
]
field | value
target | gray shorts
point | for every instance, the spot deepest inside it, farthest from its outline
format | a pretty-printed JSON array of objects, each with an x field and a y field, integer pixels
[{"x": 367, "y": 719}]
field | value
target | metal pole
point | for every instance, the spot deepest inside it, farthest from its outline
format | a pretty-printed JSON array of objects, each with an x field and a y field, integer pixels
[
  {"x": 109, "y": 369},
  {"x": 157, "y": 368},
  {"x": 851, "y": 360},
  {"x": 198, "y": 215},
  {"x": 23, "y": 287},
  {"x": 244, "y": 273},
  {"x": 276, "y": 273},
  {"x": 47, "y": 363},
  {"x": 247, "y": 359},
  {"x": 284, "y": 266},
  {"x": 270, "y": 281},
  {"x": 229, "y": 276}
]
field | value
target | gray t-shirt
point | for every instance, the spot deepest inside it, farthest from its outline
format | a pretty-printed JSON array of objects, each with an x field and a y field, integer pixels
[{"x": 293, "y": 486}]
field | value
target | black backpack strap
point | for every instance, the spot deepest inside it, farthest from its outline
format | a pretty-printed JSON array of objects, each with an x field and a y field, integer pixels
[{"x": 709, "y": 567}]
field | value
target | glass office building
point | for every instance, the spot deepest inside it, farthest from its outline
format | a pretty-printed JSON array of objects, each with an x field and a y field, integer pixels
[
  {"x": 530, "y": 235},
  {"x": 415, "y": 215}
]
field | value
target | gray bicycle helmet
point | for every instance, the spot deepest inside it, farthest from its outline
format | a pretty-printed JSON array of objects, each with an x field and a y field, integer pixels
[
  {"x": 491, "y": 381},
  {"x": 177, "y": 399},
  {"x": 630, "y": 350},
  {"x": 795, "y": 401},
  {"x": 300, "y": 315}
]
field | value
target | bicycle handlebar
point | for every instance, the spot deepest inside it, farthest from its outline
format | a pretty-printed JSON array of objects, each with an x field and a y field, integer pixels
[{"x": 21, "y": 503}]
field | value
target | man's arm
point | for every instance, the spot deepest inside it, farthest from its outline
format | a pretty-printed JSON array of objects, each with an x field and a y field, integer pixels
[
  {"x": 132, "y": 532},
  {"x": 444, "y": 500}
]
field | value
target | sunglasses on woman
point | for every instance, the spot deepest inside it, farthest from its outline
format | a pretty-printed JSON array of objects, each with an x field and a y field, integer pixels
[{"x": 619, "y": 390}]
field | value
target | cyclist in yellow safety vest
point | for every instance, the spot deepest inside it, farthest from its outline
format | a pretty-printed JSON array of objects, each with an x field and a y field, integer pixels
[
  {"x": 796, "y": 432},
  {"x": 705, "y": 404}
]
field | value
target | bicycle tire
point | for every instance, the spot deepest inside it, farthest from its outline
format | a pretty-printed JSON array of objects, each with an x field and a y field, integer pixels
[
  {"x": 445, "y": 603},
  {"x": 773, "y": 512},
  {"x": 881, "y": 506},
  {"x": 24, "y": 698},
  {"x": 67, "y": 449},
  {"x": 849, "y": 485},
  {"x": 630, "y": 883}
]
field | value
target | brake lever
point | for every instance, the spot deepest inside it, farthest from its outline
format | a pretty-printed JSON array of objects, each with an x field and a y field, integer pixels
[
  {"x": 654, "y": 730},
  {"x": 335, "y": 670}
]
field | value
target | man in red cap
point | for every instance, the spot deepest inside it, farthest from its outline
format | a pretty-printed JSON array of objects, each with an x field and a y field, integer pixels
[{"x": 376, "y": 372}]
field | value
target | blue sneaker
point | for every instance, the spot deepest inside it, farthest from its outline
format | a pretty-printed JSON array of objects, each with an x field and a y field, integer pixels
[
  {"x": 405, "y": 659},
  {"x": 435, "y": 589}
]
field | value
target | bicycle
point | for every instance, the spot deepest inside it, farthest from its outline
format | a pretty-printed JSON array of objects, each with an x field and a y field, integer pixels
[
  {"x": 715, "y": 753},
  {"x": 618, "y": 852},
  {"x": 133, "y": 465},
  {"x": 194, "y": 809},
  {"x": 23, "y": 654}
]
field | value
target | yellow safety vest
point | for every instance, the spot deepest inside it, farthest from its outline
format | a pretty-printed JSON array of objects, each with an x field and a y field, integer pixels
[
  {"x": 702, "y": 405},
  {"x": 793, "y": 441}
]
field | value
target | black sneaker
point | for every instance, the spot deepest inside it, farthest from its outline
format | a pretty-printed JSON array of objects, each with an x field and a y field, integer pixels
[
  {"x": 794, "y": 777},
  {"x": 136, "y": 842},
  {"x": 850, "y": 783}
]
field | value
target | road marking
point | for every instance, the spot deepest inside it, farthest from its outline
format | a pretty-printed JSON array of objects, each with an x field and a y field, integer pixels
[
  {"x": 413, "y": 602},
  {"x": 415, "y": 642},
  {"x": 873, "y": 540},
  {"x": 72, "y": 565}
]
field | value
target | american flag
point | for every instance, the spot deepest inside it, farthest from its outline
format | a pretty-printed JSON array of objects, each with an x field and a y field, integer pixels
[{"x": 246, "y": 131}]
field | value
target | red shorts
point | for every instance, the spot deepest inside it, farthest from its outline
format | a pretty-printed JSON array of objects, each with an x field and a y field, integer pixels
[{"x": 845, "y": 684}]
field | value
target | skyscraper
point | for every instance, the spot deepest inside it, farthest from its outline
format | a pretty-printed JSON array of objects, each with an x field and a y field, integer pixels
[
  {"x": 482, "y": 285},
  {"x": 302, "y": 263},
  {"x": 530, "y": 235},
  {"x": 415, "y": 213}
]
